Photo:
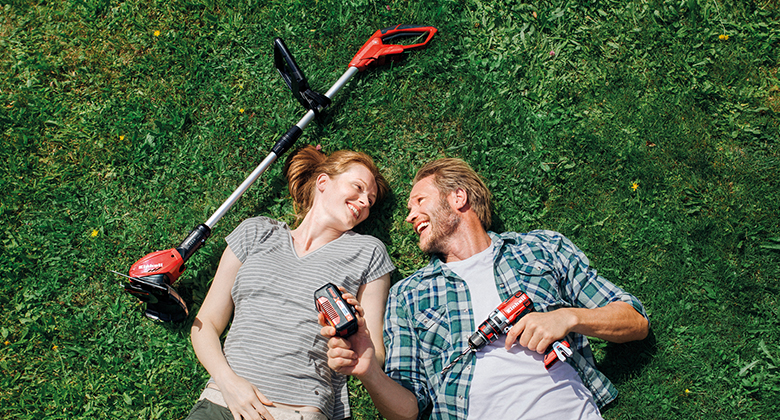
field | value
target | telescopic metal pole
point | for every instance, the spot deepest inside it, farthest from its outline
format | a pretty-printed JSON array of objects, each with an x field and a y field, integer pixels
[{"x": 281, "y": 146}]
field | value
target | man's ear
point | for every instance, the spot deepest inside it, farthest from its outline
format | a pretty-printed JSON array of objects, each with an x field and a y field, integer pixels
[{"x": 459, "y": 200}]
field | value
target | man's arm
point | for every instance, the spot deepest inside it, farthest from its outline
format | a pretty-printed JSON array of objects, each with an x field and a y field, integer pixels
[
  {"x": 617, "y": 322},
  {"x": 598, "y": 308},
  {"x": 355, "y": 356}
]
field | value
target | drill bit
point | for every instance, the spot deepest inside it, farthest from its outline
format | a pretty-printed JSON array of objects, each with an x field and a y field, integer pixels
[{"x": 460, "y": 356}]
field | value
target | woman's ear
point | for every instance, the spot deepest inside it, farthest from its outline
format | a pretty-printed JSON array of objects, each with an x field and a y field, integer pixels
[{"x": 322, "y": 181}]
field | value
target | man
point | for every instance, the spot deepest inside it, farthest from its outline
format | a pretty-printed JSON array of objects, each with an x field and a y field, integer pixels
[{"x": 431, "y": 314}]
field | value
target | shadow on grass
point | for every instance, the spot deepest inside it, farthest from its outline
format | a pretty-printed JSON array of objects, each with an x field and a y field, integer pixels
[{"x": 627, "y": 360}]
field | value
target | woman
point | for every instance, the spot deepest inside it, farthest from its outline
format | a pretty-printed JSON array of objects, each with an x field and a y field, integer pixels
[{"x": 274, "y": 361}]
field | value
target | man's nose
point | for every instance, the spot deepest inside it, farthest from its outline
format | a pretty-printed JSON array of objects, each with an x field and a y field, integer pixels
[{"x": 412, "y": 215}]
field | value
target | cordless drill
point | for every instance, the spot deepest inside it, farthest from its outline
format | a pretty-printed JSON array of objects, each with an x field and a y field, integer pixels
[{"x": 500, "y": 321}]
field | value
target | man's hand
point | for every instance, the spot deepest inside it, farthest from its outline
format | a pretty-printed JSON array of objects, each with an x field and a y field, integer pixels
[
  {"x": 352, "y": 355},
  {"x": 617, "y": 322},
  {"x": 538, "y": 330},
  {"x": 244, "y": 400}
]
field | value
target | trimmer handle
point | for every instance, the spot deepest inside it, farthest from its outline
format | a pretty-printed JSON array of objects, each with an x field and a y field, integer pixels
[{"x": 376, "y": 51}]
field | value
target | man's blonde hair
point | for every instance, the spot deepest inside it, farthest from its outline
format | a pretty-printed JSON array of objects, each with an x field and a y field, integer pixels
[{"x": 450, "y": 174}]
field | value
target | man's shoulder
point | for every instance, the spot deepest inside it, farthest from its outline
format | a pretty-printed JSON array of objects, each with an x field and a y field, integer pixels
[
  {"x": 418, "y": 280},
  {"x": 538, "y": 236}
]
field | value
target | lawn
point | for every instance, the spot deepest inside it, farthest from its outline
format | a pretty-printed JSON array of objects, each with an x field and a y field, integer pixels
[{"x": 648, "y": 132}]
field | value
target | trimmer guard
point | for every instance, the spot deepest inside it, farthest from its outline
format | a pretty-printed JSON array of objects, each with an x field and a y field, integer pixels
[{"x": 163, "y": 303}]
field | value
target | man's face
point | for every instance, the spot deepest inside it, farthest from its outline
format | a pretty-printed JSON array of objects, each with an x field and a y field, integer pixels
[{"x": 431, "y": 217}]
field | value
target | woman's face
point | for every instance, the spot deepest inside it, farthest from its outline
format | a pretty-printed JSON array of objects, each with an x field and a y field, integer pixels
[{"x": 349, "y": 196}]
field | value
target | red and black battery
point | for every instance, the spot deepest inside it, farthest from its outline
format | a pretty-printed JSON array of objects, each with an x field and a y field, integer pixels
[{"x": 338, "y": 313}]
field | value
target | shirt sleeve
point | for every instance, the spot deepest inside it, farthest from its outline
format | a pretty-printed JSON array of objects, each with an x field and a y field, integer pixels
[
  {"x": 380, "y": 264},
  {"x": 584, "y": 287},
  {"x": 402, "y": 363},
  {"x": 249, "y": 234}
]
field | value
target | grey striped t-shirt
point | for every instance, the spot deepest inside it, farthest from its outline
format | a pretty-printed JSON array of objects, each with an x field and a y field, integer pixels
[{"x": 274, "y": 339}]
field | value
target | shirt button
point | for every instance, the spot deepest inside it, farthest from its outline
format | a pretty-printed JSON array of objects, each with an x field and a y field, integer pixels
[{"x": 460, "y": 397}]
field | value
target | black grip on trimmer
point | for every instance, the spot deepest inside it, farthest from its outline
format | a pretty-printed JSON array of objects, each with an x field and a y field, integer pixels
[
  {"x": 287, "y": 140},
  {"x": 295, "y": 79}
]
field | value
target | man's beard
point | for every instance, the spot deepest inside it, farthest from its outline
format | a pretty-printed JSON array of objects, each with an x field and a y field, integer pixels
[{"x": 444, "y": 222}]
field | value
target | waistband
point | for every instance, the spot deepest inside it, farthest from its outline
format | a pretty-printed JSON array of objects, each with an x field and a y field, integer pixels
[{"x": 215, "y": 396}]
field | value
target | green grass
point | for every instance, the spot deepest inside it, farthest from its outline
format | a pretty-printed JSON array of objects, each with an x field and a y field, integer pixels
[{"x": 117, "y": 140}]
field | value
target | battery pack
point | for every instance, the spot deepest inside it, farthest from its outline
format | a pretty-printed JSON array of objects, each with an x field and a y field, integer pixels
[{"x": 337, "y": 311}]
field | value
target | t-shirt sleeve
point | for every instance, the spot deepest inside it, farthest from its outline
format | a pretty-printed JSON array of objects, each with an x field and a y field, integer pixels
[
  {"x": 247, "y": 235},
  {"x": 380, "y": 263}
]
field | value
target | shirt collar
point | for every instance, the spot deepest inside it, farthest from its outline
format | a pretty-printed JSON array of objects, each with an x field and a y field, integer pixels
[{"x": 436, "y": 265}]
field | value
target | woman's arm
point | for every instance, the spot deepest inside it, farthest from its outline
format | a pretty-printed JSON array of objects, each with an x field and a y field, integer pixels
[
  {"x": 373, "y": 298},
  {"x": 243, "y": 399},
  {"x": 214, "y": 315}
]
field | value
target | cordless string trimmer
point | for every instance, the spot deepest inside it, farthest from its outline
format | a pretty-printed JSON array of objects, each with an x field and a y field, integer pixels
[{"x": 151, "y": 278}]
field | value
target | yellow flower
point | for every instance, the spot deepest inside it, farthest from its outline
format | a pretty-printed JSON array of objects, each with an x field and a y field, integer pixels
[
  {"x": 7, "y": 342},
  {"x": 241, "y": 110},
  {"x": 157, "y": 33},
  {"x": 634, "y": 186},
  {"x": 723, "y": 37},
  {"x": 54, "y": 348},
  {"x": 687, "y": 391},
  {"x": 121, "y": 138},
  {"x": 94, "y": 233}
]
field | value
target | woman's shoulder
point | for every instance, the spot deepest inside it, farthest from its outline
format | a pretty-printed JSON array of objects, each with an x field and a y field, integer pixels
[
  {"x": 363, "y": 239},
  {"x": 256, "y": 230},
  {"x": 262, "y": 223}
]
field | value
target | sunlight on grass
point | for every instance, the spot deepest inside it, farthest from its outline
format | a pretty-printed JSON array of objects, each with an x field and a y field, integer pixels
[{"x": 647, "y": 132}]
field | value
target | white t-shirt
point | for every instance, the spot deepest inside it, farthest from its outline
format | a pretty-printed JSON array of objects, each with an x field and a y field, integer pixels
[{"x": 514, "y": 384}]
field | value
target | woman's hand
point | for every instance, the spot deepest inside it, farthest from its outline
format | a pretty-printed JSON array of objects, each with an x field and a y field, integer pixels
[
  {"x": 243, "y": 399},
  {"x": 352, "y": 355}
]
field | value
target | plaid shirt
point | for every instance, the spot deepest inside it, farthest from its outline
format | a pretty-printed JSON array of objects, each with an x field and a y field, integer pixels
[{"x": 429, "y": 317}]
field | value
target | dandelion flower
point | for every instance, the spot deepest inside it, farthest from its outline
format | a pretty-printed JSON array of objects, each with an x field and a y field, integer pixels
[
  {"x": 121, "y": 138},
  {"x": 7, "y": 342},
  {"x": 241, "y": 110},
  {"x": 94, "y": 233},
  {"x": 723, "y": 37},
  {"x": 157, "y": 33},
  {"x": 54, "y": 348},
  {"x": 634, "y": 186}
]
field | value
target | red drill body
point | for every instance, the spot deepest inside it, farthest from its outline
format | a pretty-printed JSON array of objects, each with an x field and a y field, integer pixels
[{"x": 500, "y": 321}]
